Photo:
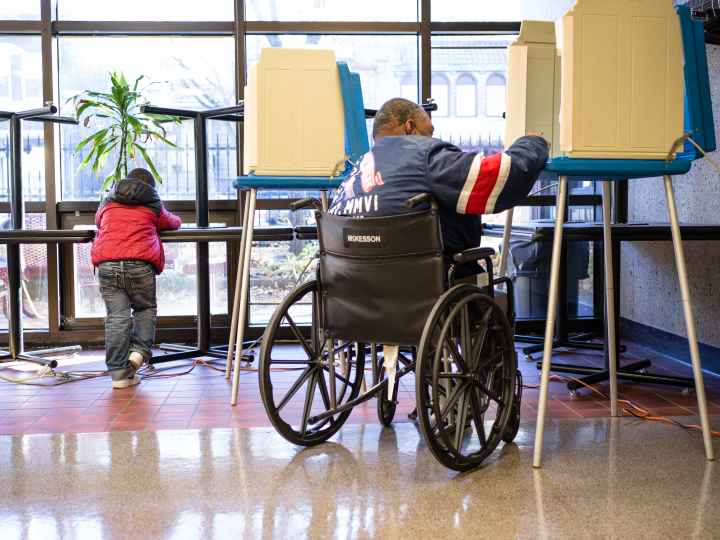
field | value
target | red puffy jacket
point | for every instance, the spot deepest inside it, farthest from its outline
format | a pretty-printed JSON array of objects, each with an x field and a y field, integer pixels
[{"x": 128, "y": 224}]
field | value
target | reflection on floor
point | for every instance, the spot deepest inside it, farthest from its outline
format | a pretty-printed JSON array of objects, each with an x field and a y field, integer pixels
[
  {"x": 200, "y": 399},
  {"x": 623, "y": 478}
]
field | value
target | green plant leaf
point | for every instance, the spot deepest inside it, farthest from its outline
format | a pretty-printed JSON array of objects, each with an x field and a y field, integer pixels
[
  {"x": 107, "y": 182},
  {"x": 150, "y": 163}
]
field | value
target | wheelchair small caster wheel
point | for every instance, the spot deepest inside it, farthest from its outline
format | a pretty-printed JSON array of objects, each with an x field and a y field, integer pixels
[
  {"x": 573, "y": 393},
  {"x": 686, "y": 391},
  {"x": 643, "y": 371}
]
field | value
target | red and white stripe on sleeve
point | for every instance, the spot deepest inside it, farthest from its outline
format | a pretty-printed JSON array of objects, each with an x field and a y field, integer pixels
[{"x": 484, "y": 184}]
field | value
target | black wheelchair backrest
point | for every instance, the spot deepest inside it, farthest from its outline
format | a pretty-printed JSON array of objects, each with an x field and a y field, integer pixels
[{"x": 379, "y": 276}]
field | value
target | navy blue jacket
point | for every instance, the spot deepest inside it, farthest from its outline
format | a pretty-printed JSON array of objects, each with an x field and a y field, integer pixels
[{"x": 464, "y": 184}]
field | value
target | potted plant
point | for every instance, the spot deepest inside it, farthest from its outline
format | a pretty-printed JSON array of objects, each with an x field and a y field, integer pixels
[{"x": 124, "y": 130}]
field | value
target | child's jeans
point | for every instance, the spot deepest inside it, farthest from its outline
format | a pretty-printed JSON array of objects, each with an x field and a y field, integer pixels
[{"x": 125, "y": 285}]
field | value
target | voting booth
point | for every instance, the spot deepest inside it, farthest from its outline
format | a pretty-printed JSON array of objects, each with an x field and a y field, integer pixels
[
  {"x": 304, "y": 129},
  {"x": 294, "y": 122},
  {"x": 533, "y": 85},
  {"x": 622, "y": 79},
  {"x": 634, "y": 87}
]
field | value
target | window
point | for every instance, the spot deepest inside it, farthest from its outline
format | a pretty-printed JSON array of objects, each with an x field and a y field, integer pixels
[
  {"x": 469, "y": 60},
  {"x": 186, "y": 72},
  {"x": 466, "y": 95},
  {"x": 495, "y": 95},
  {"x": 142, "y": 10},
  {"x": 440, "y": 92},
  {"x": 508, "y": 10},
  {"x": 25, "y": 10},
  {"x": 20, "y": 67},
  {"x": 20, "y": 71},
  {"x": 34, "y": 278},
  {"x": 409, "y": 87},
  {"x": 331, "y": 10}
]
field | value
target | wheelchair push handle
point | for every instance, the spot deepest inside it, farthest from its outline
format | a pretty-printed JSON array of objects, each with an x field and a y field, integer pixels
[
  {"x": 421, "y": 198},
  {"x": 306, "y": 202}
]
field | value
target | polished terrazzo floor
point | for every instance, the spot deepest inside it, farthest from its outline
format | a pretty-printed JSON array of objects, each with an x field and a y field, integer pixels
[
  {"x": 601, "y": 479},
  {"x": 200, "y": 399}
]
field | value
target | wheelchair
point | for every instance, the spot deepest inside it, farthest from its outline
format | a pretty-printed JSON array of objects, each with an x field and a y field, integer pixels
[{"x": 380, "y": 281}]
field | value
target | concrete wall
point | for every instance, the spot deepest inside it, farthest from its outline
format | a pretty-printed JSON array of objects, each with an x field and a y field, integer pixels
[{"x": 649, "y": 289}]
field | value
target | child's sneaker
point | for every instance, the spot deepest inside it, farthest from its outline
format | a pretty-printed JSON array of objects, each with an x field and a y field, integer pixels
[
  {"x": 126, "y": 383},
  {"x": 136, "y": 360}
]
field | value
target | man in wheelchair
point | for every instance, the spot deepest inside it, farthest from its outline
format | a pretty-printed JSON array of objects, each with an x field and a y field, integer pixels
[
  {"x": 400, "y": 232},
  {"x": 406, "y": 161}
]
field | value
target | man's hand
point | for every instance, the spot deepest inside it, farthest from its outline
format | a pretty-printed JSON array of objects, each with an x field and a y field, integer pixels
[{"x": 536, "y": 133}]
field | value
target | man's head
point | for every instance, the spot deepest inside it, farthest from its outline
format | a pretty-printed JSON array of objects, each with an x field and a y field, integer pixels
[
  {"x": 143, "y": 175},
  {"x": 401, "y": 117}
]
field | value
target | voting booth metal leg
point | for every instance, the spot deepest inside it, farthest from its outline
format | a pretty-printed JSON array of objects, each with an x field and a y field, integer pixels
[
  {"x": 610, "y": 297},
  {"x": 507, "y": 232},
  {"x": 238, "y": 286},
  {"x": 241, "y": 308},
  {"x": 689, "y": 320},
  {"x": 560, "y": 207}
]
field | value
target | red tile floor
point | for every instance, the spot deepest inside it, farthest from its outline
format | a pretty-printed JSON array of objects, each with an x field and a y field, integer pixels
[{"x": 201, "y": 399}]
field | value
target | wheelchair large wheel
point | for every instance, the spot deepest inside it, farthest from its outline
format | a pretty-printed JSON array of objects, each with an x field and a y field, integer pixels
[
  {"x": 465, "y": 377},
  {"x": 297, "y": 385}
]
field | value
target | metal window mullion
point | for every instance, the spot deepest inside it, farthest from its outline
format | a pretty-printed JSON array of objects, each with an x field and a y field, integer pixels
[
  {"x": 221, "y": 28},
  {"x": 330, "y": 27},
  {"x": 21, "y": 27},
  {"x": 51, "y": 215},
  {"x": 425, "y": 50}
]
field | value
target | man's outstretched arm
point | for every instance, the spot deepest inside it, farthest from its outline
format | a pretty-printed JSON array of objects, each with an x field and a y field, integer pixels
[{"x": 475, "y": 184}]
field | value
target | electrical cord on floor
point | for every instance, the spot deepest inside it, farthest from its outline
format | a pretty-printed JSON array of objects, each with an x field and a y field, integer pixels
[
  {"x": 627, "y": 406},
  {"x": 46, "y": 372}
]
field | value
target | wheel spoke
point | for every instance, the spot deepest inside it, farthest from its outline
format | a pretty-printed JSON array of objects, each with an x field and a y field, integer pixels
[
  {"x": 338, "y": 376},
  {"x": 453, "y": 375},
  {"x": 465, "y": 333},
  {"x": 478, "y": 416},
  {"x": 298, "y": 335},
  {"x": 459, "y": 360},
  {"x": 331, "y": 368},
  {"x": 295, "y": 387},
  {"x": 316, "y": 321},
  {"x": 324, "y": 392},
  {"x": 480, "y": 340},
  {"x": 450, "y": 403},
  {"x": 346, "y": 345},
  {"x": 290, "y": 362},
  {"x": 460, "y": 419},
  {"x": 489, "y": 393},
  {"x": 309, "y": 397}
]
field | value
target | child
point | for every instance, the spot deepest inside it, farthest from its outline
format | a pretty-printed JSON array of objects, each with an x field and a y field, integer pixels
[{"x": 128, "y": 253}]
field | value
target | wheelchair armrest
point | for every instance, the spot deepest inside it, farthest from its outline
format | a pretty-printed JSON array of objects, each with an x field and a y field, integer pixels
[
  {"x": 307, "y": 202},
  {"x": 473, "y": 254}
]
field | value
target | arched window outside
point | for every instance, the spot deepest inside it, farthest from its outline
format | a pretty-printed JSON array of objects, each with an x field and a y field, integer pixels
[
  {"x": 495, "y": 95},
  {"x": 466, "y": 95},
  {"x": 440, "y": 92}
]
